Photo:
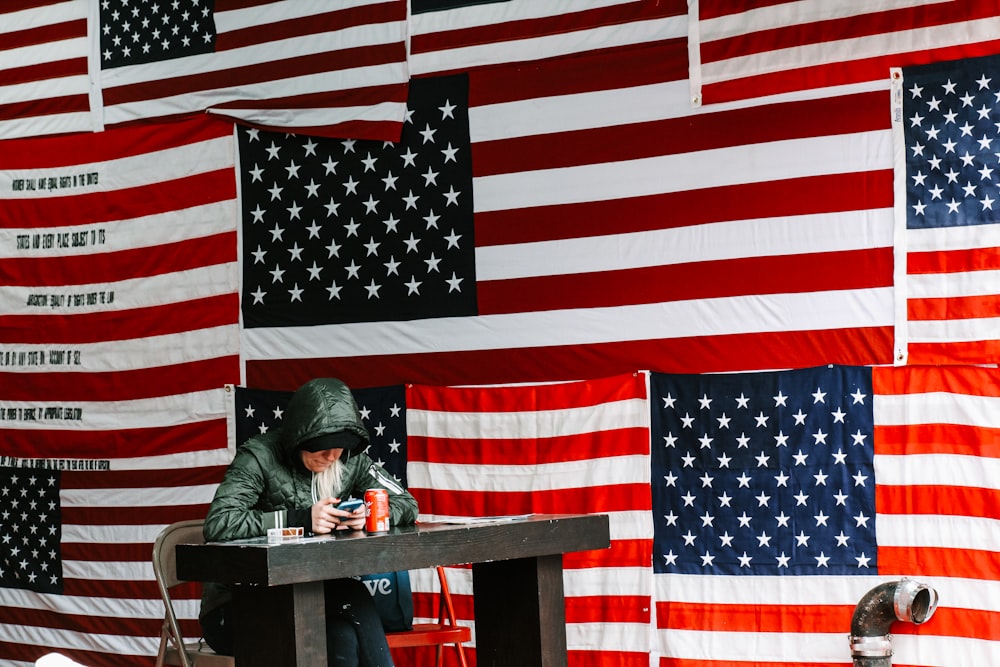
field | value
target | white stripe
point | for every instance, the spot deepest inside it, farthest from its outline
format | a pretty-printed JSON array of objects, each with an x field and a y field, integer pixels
[
  {"x": 703, "y": 317},
  {"x": 832, "y": 647},
  {"x": 820, "y": 590},
  {"x": 144, "y": 292},
  {"x": 128, "y": 172},
  {"x": 930, "y": 530},
  {"x": 14, "y": 598},
  {"x": 143, "y": 413},
  {"x": 955, "y": 331},
  {"x": 384, "y": 111},
  {"x": 797, "y": 13},
  {"x": 130, "y": 354},
  {"x": 938, "y": 470},
  {"x": 56, "y": 638},
  {"x": 963, "y": 237},
  {"x": 504, "y": 12},
  {"x": 769, "y": 237},
  {"x": 149, "y": 496},
  {"x": 533, "y": 424},
  {"x": 937, "y": 408},
  {"x": 107, "y": 236},
  {"x": 608, "y": 636},
  {"x": 754, "y": 163},
  {"x": 528, "y": 478},
  {"x": 36, "y": 126},
  {"x": 43, "y": 89},
  {"x": 940, "y": 285}
]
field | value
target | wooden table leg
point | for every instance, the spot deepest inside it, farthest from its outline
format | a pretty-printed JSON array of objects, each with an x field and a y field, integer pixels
[
  {"x": 520, "y": 612},
  {"x": 280, "y": 626}
]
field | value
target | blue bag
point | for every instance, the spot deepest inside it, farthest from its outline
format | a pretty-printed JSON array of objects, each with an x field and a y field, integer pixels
[{"x": 393, "y": 598}]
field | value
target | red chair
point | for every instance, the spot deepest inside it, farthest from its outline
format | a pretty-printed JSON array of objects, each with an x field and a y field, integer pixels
[{"x": 445, "y": 631}]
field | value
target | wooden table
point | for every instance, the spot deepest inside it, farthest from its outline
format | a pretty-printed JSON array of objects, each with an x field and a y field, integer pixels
[{"x": 516, "y": 577}]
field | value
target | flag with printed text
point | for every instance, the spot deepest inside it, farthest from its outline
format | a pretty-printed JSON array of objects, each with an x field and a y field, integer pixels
[
  {"x": 780, "y": 499},
  {"x": 119, "y": 331}
]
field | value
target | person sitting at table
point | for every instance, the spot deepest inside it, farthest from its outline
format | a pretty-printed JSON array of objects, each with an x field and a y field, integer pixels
[{"x": 293, "y": 476}]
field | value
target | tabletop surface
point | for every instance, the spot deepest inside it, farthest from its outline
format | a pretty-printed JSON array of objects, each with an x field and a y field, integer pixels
[{"x": 255, "y": 561}]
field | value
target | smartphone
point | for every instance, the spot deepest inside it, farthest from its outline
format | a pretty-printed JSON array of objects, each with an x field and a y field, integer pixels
[{"x": 350, "y": 504}]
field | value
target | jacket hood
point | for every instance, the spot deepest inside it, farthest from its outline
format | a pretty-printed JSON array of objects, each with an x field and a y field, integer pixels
[{"x": 319, "y": 407}]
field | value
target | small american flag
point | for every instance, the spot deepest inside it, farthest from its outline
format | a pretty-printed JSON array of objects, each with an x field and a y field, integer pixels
[{"x": 948, "y": 121}]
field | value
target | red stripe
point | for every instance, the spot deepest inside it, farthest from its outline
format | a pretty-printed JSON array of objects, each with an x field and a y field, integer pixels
[
  {"x": 953, "y": 308},
  {"x": 791, "y": 274},
  {"x": 953, "y": 352},
  {"x": 122, "y": 443},
  {"x": 799, "y": 196},
  {"x": 953, "y": 261},
  {"x": 122, "y": 385},
  {"x": 130, "y": 516},
  {"x": 609, "y": 69},
  {"x": 937, "y": 500},
  {"x": 621, "y": 553},
  {"x": 938, "y": 439},
  {"x": 184, "y": 255},
  {"x": 608, "y": 609},
  {"x": 675, "y": 136},
  {"x": 517, "y": 399},
  {"x": 496, "y": 451},
  {"x": 134, "y": 626},
  {"x": 561, "y": 24},
  {"x": 752, "y": 618},
  {"x": 139, "y": 479},
  {"x": 330, "y": 61},
  {"x": 684, "y": 662},
  {"x": 45, "y": 107},
  {"x": 597, "y": 499},
  {"x": 43, "y": 72},
  {"x": 45, "y": 34},
  {"x": 703, "y": 354},
  {"x": 939, "y": 562},
  {"x": 123, "y": 324}
]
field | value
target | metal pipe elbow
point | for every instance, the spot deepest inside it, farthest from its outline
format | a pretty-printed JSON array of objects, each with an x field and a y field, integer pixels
[{"x": 904, "y": 600}]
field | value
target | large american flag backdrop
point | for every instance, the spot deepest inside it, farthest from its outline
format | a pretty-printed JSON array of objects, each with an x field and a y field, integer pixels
[{"x": 595, "y": 236}]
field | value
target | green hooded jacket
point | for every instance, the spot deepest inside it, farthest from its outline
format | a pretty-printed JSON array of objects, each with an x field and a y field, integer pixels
[{"x": 266, "y": 485}]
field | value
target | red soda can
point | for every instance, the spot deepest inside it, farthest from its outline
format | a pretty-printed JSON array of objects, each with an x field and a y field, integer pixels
[{"x": 376, "y": 510}]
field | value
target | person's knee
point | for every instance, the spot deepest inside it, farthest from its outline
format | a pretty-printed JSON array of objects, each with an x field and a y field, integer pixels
[{"x": 341, "y": 643}]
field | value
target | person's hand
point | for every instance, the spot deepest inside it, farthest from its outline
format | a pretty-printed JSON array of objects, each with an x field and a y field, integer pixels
[{"x": 327, "y": 518}]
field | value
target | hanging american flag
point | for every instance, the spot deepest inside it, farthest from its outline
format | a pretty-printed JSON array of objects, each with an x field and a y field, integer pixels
[
  {"x": 119, "y": 331},
  {"x": 947, "y": 126},
  {"x": 44, "y": 83},
  {"x": 614, "y": 229},
  {"x": 306, "y": 65},
  {"x": 773, "y": 48},
  {"x": 780, "y": 499},
  {"x": 579, "y": 447}
]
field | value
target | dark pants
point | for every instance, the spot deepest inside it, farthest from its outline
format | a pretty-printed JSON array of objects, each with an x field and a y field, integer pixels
[{"x": 354, "y": 634}]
